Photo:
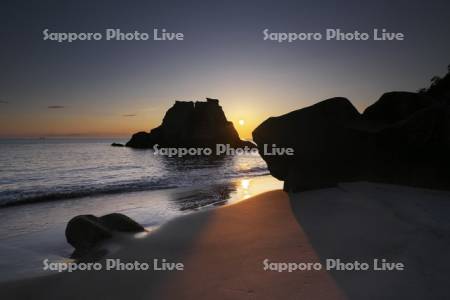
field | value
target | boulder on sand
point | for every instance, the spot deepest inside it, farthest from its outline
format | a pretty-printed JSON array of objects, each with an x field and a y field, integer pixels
[
  {"x": 84, "y": 232},
  {"x": 121, "y": 223},
  {"x": 396, "y": 106},
  {"x": 326, "y": 147},
  {"x": 333, "y": 143},
  {"x": 414, "y": 151}
]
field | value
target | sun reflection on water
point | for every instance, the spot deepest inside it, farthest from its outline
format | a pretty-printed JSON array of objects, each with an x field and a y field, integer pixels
[
  {"x": 247, "y": 188},
  {"x": 245, "y": 184}
]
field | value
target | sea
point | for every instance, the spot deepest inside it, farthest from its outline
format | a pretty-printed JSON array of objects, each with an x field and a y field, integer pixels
[{"x": 46, "y": 182}]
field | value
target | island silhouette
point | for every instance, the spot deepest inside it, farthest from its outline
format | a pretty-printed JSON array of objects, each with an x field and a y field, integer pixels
[{"x": 191, "y": 124}]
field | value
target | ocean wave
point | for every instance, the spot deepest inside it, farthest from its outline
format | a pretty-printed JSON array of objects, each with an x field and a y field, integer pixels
[
  {"x": 56, "y": 193},
  {"x": 12, "y": 198},
  {"x": 255, "y": 171}
]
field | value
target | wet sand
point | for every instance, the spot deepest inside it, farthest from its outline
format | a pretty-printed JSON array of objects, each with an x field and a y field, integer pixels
[{"x": 223, "y": 250}]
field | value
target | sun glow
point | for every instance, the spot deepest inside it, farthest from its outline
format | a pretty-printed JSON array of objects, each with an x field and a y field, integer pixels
[
  {"x": 245, "y": 183},
  {"x": 241, "y": 122}
]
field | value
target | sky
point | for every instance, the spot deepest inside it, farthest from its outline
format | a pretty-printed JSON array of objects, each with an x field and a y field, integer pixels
[{"x": 116, "y": 88}]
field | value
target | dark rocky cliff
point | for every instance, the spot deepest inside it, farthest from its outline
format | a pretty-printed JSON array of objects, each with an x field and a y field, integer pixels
[{"x": 191, "y": 124}]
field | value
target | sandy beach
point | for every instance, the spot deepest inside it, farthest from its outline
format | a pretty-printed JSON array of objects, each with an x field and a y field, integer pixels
[
  {"x": 223, "y": 250},
  {"x": 214, "y": 150}
]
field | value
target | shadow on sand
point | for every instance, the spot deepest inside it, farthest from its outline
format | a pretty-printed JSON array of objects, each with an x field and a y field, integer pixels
[{"x": 362, "y": 222}]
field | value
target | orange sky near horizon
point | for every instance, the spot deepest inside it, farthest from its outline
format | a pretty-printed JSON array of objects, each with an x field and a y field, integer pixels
[
  {"x": 89, "y": 121},
  {"x": 70, "y": 122}
]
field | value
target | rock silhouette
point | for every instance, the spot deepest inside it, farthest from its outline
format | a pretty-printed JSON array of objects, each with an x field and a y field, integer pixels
[
  {"x": 191, "y": 124},
  {"x": 396, "y": 106},
  {"x": 84, "y": 232},
  {"x": 403, "y": 138}
]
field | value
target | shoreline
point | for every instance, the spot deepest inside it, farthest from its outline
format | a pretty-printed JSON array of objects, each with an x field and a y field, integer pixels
[
  {"x": 80, "y": 195},
  {"x": 208, "y": 243},
  {"x": 223, "y": 250},
  {"x": 33, "y": 232}
]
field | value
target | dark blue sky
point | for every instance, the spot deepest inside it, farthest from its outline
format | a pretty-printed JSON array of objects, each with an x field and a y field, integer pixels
[{"x": 117, "y": 87}]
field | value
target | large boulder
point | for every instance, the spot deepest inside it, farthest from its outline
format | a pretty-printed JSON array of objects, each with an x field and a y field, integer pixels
[
  {"x": 326, "y": 144},
  {"x": 191, "y": 124},
  {"x": 334, "y": 143},
  {"x": 84, "y": 232},
  {"x": 121, "y": 223},
  {"x": 396, "y": 106},
  {"x": 414, "y": 151}
]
